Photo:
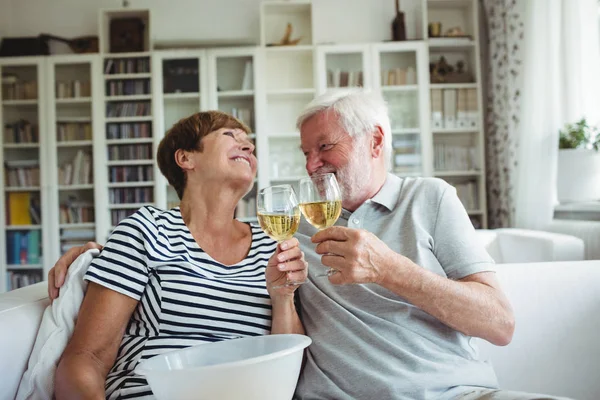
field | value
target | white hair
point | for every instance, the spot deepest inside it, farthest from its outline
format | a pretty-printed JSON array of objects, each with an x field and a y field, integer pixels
[{"x": 359, "y": 111}]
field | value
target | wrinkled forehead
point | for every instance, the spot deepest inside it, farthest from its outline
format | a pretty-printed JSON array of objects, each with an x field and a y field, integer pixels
[{"x": 322, "y": 126}]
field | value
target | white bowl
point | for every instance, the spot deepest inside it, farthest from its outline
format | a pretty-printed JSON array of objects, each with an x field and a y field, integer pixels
[{"x": 259, "y": 367}]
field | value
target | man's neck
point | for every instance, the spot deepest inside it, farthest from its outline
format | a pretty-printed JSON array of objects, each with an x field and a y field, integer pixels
[{"x": 368, "y": 193}]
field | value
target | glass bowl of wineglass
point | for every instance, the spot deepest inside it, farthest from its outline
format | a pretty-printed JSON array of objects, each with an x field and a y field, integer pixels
[
  {"x": 321, "y": 202},
  {"x": 278, "y": 214}
]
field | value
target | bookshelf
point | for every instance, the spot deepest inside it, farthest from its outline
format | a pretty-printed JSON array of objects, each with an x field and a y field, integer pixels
[
  {"x": 24, "y": 230},
  {"x": 234, "y": 87},
  {"x": 127, "y": 166},
  {"x": 402, "y": 79},
  {"x": 74, "y": 113},
  {"x": 181, "y": 88},
  {"x": 344, "y": 66},
  {"x": 456, "y": 103}
]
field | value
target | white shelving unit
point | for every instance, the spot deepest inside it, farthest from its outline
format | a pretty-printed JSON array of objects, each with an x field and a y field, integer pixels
[
  {"x": 458, "y": 137},
  {"x": 290, "y": 82},
  {"x": 24, "y": 227},
  {"x": 266, "y": 86}
]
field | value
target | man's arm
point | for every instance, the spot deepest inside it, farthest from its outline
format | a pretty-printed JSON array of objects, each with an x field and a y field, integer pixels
[
  {"x": 58, "y": 273},
  {"x": 474, "y": 305}
]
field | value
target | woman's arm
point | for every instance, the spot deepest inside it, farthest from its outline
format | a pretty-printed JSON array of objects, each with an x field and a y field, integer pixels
[
  {"x": 286, "y": 264},
  {"x": 92, "y": 350}
]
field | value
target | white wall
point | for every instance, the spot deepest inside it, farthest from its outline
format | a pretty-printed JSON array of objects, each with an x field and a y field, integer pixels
[{"x": 204, "y": 20}]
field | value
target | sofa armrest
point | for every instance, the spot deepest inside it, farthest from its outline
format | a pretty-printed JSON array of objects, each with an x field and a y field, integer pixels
[{"x": 21, "y": 313}]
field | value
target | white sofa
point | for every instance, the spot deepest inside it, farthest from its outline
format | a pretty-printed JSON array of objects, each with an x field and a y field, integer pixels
[
  {"x": 555, "y": 349},
  {"x": 510, "y": 245}
]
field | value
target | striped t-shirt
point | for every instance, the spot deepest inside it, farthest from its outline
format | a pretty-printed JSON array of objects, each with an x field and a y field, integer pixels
[{"x": 185, "y": 296}]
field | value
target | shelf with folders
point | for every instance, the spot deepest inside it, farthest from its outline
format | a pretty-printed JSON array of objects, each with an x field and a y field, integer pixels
[
  {"x": 182, "y": 90},
  {"x": 23, "y": 224},
  {"x": 401, "y": 78},
  {"x": 452, "y": 32}
]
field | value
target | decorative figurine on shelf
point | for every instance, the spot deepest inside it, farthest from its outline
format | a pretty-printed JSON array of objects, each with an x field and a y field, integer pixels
[
  {"x": 455, "y": 32},
  {"x": 286, "y": 39},
  {"x": 398, "y": 26},
  {"x": 443, "y": 72}
]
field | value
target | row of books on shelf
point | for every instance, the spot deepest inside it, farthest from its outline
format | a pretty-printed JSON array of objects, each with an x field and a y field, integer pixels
[
  {"x": 130, "y": 152},
  {"x": 454, "y": 109},
  {"x": 23, "y": 247},
  {"x": 68, "y": 131},
  {"x": 78, "y": 171},
  {"x": 467, "y": 193},
  {"x": 128, "y": 87},
  {"x": 133, "y": 109},
  {"x": 243, "y": 114},
  {"x": 16, "y": 280},
  {"x": 21, "y": 131},
  {"x": 76, "y": 212},
  {"x": 127, "y": 66},
  {"x": 131, "y": 195},
  {"x": 448, "y": 157},
  {"x": 117, "y": 216},
  {"x": 246, "y": 208},
  {"x": 398, "y": 76},
  {"x": 129, "y": 130},
  {"x": 134, "y": 173},
  {"x": 22, "y": 173},
  {"x": 338, "y": 78},
  {"x": 23, "y": 208},
  {"x": 15, "y": 89},
  {"x": 73, "y": 89}
]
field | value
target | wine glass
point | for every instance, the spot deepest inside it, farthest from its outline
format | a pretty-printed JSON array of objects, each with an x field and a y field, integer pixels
[
  {"x": 279, "y": 216},
  {"x": 321, "y": 202}
]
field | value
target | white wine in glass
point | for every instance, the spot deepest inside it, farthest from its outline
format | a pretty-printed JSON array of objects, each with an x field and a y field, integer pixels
[
  {"x": 321, "y": 202},
  {"x": 278, "y": 215}
]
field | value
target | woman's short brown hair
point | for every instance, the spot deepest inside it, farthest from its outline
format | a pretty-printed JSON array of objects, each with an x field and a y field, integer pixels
[{"x": 187, "y": 134}]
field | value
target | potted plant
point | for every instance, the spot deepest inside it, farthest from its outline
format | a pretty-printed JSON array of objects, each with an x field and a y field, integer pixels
[{"x": 578, "y": 178}]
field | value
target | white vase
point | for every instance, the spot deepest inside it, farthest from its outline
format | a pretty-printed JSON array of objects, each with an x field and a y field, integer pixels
[{"x": 578, "y": 176}]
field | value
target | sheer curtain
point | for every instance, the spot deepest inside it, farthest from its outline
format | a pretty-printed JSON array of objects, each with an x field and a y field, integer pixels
[{"x": 561, "y": 77}]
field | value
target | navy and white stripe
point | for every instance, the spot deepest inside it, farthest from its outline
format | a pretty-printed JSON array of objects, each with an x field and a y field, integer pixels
[{"x": 185, "y": 296}]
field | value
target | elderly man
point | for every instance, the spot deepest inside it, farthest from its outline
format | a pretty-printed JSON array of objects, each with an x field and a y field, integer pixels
[{"x": 412, "y": 287}]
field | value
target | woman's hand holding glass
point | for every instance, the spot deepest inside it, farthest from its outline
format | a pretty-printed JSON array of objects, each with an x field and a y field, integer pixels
[
  {"x": 321, "y": 202},
  {"x": 279, "y": 217}
]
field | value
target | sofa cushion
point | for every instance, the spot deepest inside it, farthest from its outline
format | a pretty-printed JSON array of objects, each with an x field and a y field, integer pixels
[
  {"x": 20, "y": 317},
  {"x": 555, "y": 345}
]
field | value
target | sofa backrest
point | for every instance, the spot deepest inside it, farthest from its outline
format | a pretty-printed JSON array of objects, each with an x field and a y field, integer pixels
[
  {"x": 20, "y": 317},
  {"x": 555, "y": 348},
  {"x": 512, "y": 245}
]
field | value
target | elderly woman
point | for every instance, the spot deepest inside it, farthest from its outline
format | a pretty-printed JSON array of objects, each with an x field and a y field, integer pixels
[{"x": 177, "y": 278}]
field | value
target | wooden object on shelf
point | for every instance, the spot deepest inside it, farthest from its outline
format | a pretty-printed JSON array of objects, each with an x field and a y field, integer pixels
[{"x": 126, "y": 35}]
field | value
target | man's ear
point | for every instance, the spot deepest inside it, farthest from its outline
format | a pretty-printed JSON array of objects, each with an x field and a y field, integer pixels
[
  {"x": 377, "y": 142},
  {"x": 183, "y": 160}
]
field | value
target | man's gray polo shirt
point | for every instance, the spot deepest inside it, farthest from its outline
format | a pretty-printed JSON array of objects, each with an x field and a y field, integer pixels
[{"x": 369, "y": 343}]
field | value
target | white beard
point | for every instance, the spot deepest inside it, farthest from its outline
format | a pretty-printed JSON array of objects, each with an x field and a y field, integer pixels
[{"x": 355, "y": 176}]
